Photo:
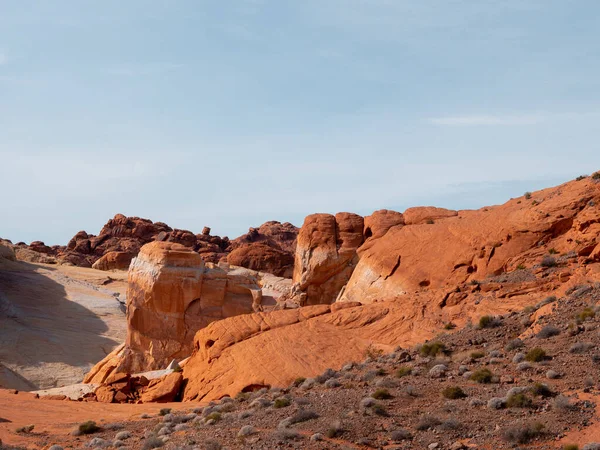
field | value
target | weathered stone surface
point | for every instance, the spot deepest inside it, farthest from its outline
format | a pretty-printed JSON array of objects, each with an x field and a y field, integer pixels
[
  {"x": 164, "y": 390},
  {"x": 269, "y": 248},
  {"x": 326, "y": 256},
  {"x": 426, "y": 214},
  {"x": 6, "y": 250},
  {"x": 171, "y": 295},
  {"x": 113, "y": 261}
]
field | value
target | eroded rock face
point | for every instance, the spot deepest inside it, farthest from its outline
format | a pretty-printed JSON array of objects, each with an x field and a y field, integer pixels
[
  {"x": 171, "y": 295},
  {"x": 426, "y": 214},
  {"x": 269, "y": 248},
  {"x": 113, "y": 261},
  {"x": 6, "y": 250},
  {"x": 326, "y": 256},
  {"x": 474, "y": 245}
]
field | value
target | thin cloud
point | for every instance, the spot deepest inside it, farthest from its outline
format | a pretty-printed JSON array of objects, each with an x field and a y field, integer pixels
[
  {"x": 487, "y": 120},
  {"x": 3, "y": 58}
]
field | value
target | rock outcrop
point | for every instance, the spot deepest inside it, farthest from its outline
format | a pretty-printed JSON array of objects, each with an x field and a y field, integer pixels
[
  {"x": 326, "y": 255},
  {"x": 411, "y": 282},
  {"x": 113, "y": 261},
  {"x": 477, "y": 244},
  {"x": 269, "y": 248},
  {"x": 172, "y": 294},
  {"x": 6, "y": 250}
]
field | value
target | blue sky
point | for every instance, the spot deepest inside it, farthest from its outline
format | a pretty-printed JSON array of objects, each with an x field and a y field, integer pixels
[{"x": 228, "y": 114}]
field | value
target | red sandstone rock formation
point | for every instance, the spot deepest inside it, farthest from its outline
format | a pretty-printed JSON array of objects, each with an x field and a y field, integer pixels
[
  {"x": 269, "y": 248},
  {"x": 171, "y": 296}
]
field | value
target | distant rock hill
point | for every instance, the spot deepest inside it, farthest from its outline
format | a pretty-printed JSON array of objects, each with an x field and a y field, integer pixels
[{"x": 269, "y": 248}]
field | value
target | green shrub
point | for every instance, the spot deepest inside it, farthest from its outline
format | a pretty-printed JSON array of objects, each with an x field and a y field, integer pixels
[
  {"x": 521, "y": 267},
  {"x": 488, "y": 322},
  {"x": 541, "y": 390},
  {"x": 596, "y": 176},
  {"x": 579, "y": 178},
  {"x": 214, "y": 416},
  {"x": 164, "y": 411},
  {"x": 26, "y": 429},
  {"x": 587, "y": 313},
  {"x": 482, "y": 376},
  {"x": 548, "y": 261},
  {"x": 298, "y": 381},
  {"x": 281, "y": 402},
  {"x": 527, "y": 195},
  {"x": 88, "y": 427},
  {"x": 453, "y": 392},
  {"x": 403, "y": 371},
  {"x": 450, "y": 326},
  {"x": 518, "y": 401},
  {"x": 379, "y": 410},
  {"x": 553, "y": 251},
  {"x": 477, "y": 355},
  {"x": 536, "y": 354},
  {"x": 381, "y": 394},
  {"x": 523, "y": 433},
  {"x": 335, "y": 430},
  {"x": 432, "y": 349},
  {"x": 570, "y": 447}
]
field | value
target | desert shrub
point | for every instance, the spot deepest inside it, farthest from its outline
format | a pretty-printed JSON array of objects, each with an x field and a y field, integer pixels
[
  {"x": 88, "y": 427},
  {"x": 26, "y": 429},
  {"x": 381, "y": 394},
  {"x": 519, "y": 400},
  {"x": 488, "y": 322},
  {"x": 286, "y": 434},
  {"x": 403, "y": 371},
  {"x": 432, "y": 349},
  {"x": 563, "y": 403},
  {"x": 521, "y": 267},
  {"x": 547, "y": 332},
  {"x": 553, "y": 251},
  {"x": 298, "y": 381},
  {"x": 164, "y": 411},
  {"x": 453, "y": 392},
  {"x": 401, "y": 435},
  {"x": 596, "y": 176},
  {"x": 411, "y": 390},
  {"x": 496, "y": 403},
  {"x": 152, "y": 442},
  {"x": 303, "y": 415},
  {"x": 527, "y": 195},
  {"x": 450, "y": 326},
  {"x": 587, "y": 313},
  {"x": 373, "y": 352},
  {"x": 427, "y": 421},
  {"x": 211, "y": 444},
  {"x": 523, "y": 433},
  {"x": 579, "y": 178},
  {"x": 513, "y": 344},
  {"x": 242, "y": 396},
  {"x": 541, "y": 390},
  {"x": 379, "y": 410},
  {"x": 334, "y": 430},
  {"x": 482, "y": 376},
  {"x": 429, "y": 222},
  {"x": 548, "y": 261},
  {"x": 546, "y": 301},
  {"x": 477, "y": 355},
  {"x": 450, "y": 424},
  {"x": 281, "y": 402},
  {"x": 570, "y": 447},
  {"x": 536, "y": 354},
  {"x": 329, "y": 373},
  {"x": 380, "y": 372},
  {"x": 214, "y": 416},
  {"x": 581, "y": 347}
]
